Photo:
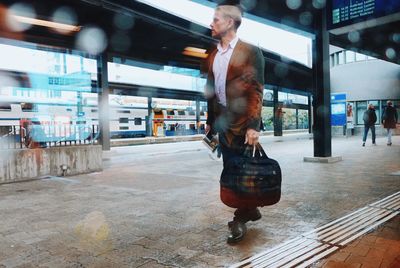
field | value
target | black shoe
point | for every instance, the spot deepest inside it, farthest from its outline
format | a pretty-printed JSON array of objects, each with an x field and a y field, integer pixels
[
  {"x": 363, "y": 144},
  {"x": 238, "y": 230},
  {"x": 389, "y": 144}
]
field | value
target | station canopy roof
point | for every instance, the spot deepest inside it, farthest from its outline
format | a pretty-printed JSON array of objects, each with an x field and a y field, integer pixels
[{"x": 142, "y": 31}]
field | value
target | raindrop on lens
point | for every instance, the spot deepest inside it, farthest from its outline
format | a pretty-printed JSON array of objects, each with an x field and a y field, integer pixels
[
  {"x": 293, "y": 4},
  {"x": 23, "y": 10},
  {"x": 353, "y": 37},
  {"x": 390, "y": 53},
  {"x": 281, "y": 70},
  {"x": 92, "y": 40},
  {"x": 248, "y": 4},
  {"x": 306, "y": 18},
  {"x": 396, "y": 37},
  {"x": 124, "y": 22},
  {"x": 64, "y": 15},
  {"x": 318, "y": 4}
]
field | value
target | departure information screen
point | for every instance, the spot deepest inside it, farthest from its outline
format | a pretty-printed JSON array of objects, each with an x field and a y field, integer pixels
[{"x": 346, "y": 12}]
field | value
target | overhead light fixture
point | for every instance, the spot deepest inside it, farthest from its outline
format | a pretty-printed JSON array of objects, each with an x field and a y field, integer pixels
[
  {"x": 46, "y": 23},
  {"x": 195, "y": 52}
]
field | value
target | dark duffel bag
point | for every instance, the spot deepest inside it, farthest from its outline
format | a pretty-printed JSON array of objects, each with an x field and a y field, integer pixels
[{"x": 253, "y": 176}]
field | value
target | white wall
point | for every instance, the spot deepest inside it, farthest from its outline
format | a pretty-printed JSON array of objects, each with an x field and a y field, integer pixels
[{"x": 367, "y": 80}]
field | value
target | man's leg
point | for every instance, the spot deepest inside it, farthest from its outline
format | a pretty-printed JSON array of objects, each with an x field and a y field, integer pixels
[
  {"x": 373, "y": 134},
  {"x": 366, "y": 128},
  {"x": 244, "y": 214},
  {"x": 247, "y": 214},
  {"x": 390, "y": 131}
]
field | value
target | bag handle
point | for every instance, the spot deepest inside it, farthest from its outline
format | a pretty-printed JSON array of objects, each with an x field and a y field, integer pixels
[{"x": 255, "y": 151}]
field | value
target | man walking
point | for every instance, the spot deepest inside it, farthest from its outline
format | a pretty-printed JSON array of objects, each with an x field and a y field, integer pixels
[
  {"x": 234, "y": 91},
  {"x": 389, "y": 120},
  {"x": 369, "y": 123}
]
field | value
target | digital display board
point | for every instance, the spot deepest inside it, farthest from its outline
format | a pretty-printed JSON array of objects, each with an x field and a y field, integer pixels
[{"x": 346, "y": 12}]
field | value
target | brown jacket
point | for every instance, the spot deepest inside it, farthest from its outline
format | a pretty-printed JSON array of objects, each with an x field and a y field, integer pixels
[{"x": 244, "y": 92}]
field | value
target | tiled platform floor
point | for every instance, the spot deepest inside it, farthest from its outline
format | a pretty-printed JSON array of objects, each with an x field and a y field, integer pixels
[
  {"x": 378, "y": 249},
  {"x": 158, "y": 206}
]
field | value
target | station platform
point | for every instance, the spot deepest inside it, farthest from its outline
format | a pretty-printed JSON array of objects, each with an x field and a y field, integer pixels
[
  {"x": 197, "y": 137},
  {"x": 158, "y": 205}
]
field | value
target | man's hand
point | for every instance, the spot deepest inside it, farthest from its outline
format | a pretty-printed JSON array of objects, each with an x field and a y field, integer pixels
[{"x": 252, "y": 137}]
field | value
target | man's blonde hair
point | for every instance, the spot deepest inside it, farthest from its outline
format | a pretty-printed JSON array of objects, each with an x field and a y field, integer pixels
[{"x": 232, "y": 12}]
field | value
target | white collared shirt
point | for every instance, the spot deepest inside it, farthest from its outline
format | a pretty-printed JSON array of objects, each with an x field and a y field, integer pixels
[{"x": 220, "y": 69}]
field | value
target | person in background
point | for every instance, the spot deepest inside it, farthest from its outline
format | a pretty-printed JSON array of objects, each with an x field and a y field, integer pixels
[
  {"x": 369, "y": 123},
  {"x": 234, "y": 91},
  {"x": 389, "y": 120}
]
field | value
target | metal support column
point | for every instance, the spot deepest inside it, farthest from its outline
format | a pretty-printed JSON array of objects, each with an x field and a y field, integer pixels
[
  {"x": 310, "y": 117},
  {"x": 149, "y": 118},
  {"x": 103, "y": 92},
  {"x": 277, "y": 114},
  {"x": 321, "y": 84},
  {"x": 198, "y": 116}
]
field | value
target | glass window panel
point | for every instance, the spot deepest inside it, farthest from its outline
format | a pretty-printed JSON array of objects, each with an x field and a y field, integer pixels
[
  {"x": 267, "y": 114},
  {"x": 299, "y": 99},
  {"x": 350, "y": 57},
  {"x": 268, "y": 95},
  {"x": 341, "y": 57},
  {"x": 282, "y": 96},
  {"x": 57, "y": 88},
  {"x": 121, "y": 73},
  {"x": 360, "y": 57},
  {"x": 361, "y": 107},
  {"x": 303, "y": 119},
  {"x": 289, "y": 118}
]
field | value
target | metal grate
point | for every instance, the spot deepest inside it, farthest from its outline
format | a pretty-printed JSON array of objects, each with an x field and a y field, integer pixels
[{"x": 320, "y": 242}]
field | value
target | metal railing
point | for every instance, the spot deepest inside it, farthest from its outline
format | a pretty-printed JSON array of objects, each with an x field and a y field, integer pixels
[{"x": 45, "y": 136}]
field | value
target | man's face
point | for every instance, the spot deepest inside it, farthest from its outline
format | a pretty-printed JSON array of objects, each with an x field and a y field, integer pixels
[{"x": 220, "y": 25}]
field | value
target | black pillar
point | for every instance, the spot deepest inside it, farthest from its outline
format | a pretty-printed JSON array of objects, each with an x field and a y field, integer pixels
[
  {"x": 104, "y": 91},
  {"x": 310, "y": 118},
  {"x": 149, "y": 117},
  {"x": 277, "y": 114},
  {"x": 321, "y": 83},
  {"x": 198, "y": 116}
]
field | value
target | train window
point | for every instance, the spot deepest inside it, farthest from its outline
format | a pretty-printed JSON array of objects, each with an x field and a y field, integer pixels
[
  {"x": 69, "y": 110},
  {"x": 124, "y": 120},
  {"x": 28, "y": 107},
  {"x": 158, "y": 112},
  {"x": 5, "y": 107},
  {"x": 170, "y": 112},
  {"x": 124, "y": 111},
  {"x": 123, "y": 128},
  {"x": 94, "y": 110},
  {"x": 201, "y": 112},
  {"x": 181, "y": 112},
  {"x": 192, "y": 113},
  {"x": 138, "y": 121}
]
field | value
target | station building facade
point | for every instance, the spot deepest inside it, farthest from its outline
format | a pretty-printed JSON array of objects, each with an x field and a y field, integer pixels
[{"x": 364, "y": 80}]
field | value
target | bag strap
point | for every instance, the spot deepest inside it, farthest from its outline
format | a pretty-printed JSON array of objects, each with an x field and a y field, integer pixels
[
  {"x": 261, "y": 150},
  {"x": 255, "y": 151}
]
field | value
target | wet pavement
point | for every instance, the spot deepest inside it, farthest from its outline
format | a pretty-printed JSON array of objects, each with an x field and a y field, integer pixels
[{"x": 158, "y": 206}]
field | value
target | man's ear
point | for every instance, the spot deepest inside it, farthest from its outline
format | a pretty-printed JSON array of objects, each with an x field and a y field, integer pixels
[{"x": 231, "y": 23}]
